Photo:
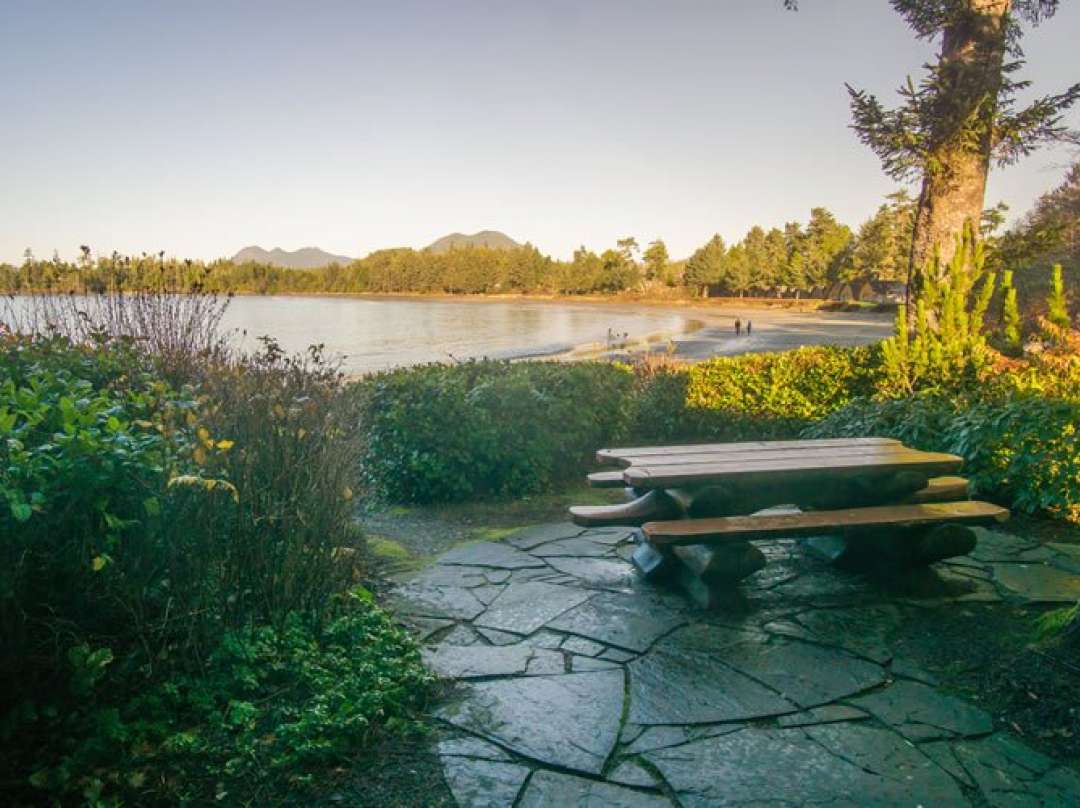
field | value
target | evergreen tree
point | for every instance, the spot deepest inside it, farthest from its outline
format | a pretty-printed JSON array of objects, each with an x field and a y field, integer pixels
[
  {"x": 1010, "y": 314},
  {"x": 657, "y": 262},
  {"x": 706, "y": 267},
  {"x": 947, "y": 345},
  {"x": 960, "y": 117},
  {"x": 1057, "y": 310}
]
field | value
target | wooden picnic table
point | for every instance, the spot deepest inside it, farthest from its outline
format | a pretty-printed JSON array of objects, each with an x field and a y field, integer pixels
[{"x": 699, "y": 503}]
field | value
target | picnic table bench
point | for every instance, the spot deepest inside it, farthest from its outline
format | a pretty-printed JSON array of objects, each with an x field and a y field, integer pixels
[{"x": 699, "y": 506}]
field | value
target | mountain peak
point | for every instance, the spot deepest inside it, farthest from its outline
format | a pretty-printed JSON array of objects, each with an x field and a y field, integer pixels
[
  {"x": 492, "y": 239},
  {"x": 304, "y": 258}
]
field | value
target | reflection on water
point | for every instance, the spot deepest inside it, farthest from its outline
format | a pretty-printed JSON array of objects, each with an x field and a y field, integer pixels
[{"x": 378, "y": 334}]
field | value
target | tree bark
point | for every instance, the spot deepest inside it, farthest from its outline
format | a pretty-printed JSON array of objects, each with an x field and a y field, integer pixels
[{"x": 954, "y": 180}]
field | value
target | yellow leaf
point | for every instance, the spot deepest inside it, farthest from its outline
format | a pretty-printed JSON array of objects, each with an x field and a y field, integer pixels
[
  {"x": 199, "y": 455},
  {"x": 347, "y": 493},
  {"x": 190, "y": 418},
  {"x": 300, "y": 433},
  {"x": 203, "y": 434},
  {"x": 224, "y": 445},
  {"x": 279, "y": 411},
  {"x": 139, "y": 422},
  {"x": 99, "y": 562}
]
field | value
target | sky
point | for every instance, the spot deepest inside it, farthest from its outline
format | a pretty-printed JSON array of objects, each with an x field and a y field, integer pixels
[{"x": 201, "y": 127}]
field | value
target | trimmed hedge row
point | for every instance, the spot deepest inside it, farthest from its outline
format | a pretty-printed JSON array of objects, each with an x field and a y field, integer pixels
[
  {"x": 454, "y": 432},
  {"x": 495, "y": 428},
  {"x": 1019, "y": 448}
]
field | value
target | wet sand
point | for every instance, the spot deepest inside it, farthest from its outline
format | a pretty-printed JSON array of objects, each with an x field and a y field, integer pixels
[{"x": 773, "y": 330}]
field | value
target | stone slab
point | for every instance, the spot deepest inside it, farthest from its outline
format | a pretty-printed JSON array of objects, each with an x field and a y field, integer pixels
[
  {"x": 530, "y": 537},
  {"x": 468, "y": 746},
  {"x": 632, "y": 622},
  {"x": 547, "y": 789},
  {"x": 681, "y": 681},
  {"x": 791, "y": 767},
  {"x": 438, "y": 601},
  {"x": 525, "y": 607},
  {"x": 439, "y": 575},
  {"x": 631, "y": 773},
  {"x": 470, "y": 662},
  {"x": 499, "y": 637},
  {"x": 483, "y": 783},
  {"x": 1039, "y": 583},
  {"x": 806, "y": 674},
  {"x": 580, "y": 547},
  {"x": 580, "y": 645},
  {"x": 921, "y": 713},
  {"x": 601, "y": 573},
  {"x": 826, "y": 714},
  {"x": 1008, "y": 773},
  {"x": 489, "y": 554},
  {"x": 570, "y": 721}
]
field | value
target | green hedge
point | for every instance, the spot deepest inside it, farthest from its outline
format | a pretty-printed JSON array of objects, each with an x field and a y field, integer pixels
[
  {"x": 495, "y": 428},
  {"x": 1019, "y": 448},
  {"x": 486, "y": 428}
]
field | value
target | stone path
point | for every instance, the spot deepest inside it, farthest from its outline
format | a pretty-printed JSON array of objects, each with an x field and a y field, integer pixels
[{"x": 581, "y": 685}]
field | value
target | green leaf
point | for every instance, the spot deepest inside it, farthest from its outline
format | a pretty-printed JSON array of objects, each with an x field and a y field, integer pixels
[{"x": 21, "y": 511}]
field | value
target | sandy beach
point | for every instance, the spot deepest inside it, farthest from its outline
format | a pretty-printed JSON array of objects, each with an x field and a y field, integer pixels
[{"x": 712, "y": 333}]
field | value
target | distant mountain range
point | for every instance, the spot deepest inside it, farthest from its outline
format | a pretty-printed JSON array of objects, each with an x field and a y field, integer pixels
[
  {"x": 485, "y": 238},
  {"x": 312, "y": 257},
  {"x": 304, "y": 258}
]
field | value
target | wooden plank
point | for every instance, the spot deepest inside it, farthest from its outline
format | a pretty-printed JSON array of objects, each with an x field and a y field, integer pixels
[
  {"x": 610, "y": 455},
  {"x": 606, "y": 479},
  {"x": 787, "y": 470},
  {"x": 794, "y": 525},
  {"x": 941, "y": 489},
  {"x": 823, "y": 452}
]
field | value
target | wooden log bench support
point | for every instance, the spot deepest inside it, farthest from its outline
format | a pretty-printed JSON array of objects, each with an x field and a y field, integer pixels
[
  {"x": 707, "y": 556},
  {"x": 908, "y": 487}
]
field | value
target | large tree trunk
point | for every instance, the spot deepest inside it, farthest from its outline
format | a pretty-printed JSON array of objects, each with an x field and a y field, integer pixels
[{"x": 954, "y": 181}]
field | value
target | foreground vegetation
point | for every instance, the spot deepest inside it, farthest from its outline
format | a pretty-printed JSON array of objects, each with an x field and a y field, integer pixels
[{"x": 177, "y": 595}]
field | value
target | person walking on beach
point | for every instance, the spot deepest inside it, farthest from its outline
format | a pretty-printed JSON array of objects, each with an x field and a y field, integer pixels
[
  {"x": 738, "y": 327},
  {"x": 749, "y": 327}
]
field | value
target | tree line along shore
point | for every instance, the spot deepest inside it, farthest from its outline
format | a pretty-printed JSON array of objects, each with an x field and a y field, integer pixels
[{"x": 817, "y": 260}]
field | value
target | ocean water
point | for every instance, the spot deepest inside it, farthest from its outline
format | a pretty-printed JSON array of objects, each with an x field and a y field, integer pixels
[{"x": 373, "y": 335}]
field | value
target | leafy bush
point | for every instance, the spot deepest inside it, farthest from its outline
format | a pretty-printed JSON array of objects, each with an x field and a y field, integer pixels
[
  {"x": 486, "y": 428},
  {"x": 1021, "y": 448},
  {"x": 755, "y": 396},
  {"x": 142, "y": 521},
  {"x": 267, "y": 711},
  {"x": 451, "y": 432}
]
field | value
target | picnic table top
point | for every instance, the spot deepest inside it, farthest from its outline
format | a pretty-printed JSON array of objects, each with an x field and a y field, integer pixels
[{"x": 762, "y": 462}]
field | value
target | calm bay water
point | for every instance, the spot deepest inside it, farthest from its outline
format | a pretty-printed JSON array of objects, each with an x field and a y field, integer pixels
[{"x": 379, "y": 334}]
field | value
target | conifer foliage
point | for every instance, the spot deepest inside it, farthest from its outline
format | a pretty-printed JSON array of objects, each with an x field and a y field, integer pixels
[{"x": 948, "y": 344}]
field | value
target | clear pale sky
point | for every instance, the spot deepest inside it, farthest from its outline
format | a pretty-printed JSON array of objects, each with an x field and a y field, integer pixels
[{"x": 202, "y": 127}]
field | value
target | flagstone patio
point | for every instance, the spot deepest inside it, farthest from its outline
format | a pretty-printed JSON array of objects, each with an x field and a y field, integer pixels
[{"x": 580, "y": 684}]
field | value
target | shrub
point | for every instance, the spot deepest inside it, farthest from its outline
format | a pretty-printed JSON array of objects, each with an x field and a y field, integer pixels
[
  {"x": 1020, "y": 448},
  {"x": 947, "y": 347},
  {"x": 486, "y": 428},
  {"x": 757, "y": 396},
  {"x": 142, "y": 521},
  {"x": 451, "y": 432},
  {"x": 1057, "y": 310},
  {"x": 267, "y": 711},
  {"x": 1010, "y": 315}
]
